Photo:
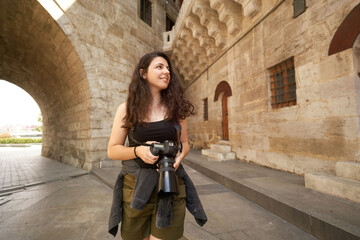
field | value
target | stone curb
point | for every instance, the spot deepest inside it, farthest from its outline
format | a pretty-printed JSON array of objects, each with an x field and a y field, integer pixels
[
  {"x": 102, "y": 178},
  {"x": 7, "y": 191}
]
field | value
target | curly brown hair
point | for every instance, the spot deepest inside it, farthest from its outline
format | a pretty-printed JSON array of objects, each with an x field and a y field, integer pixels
[{"x": 140, "y": 98}]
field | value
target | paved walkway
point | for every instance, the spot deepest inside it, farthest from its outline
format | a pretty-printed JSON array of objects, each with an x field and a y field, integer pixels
[
  {"x": 281, "y": 193},
  {"x": 230, "y": 216},
  {"x": 23, "y": 167},
  {"x": 78, "y": 208},
  {"x": 73, "y": 209}
]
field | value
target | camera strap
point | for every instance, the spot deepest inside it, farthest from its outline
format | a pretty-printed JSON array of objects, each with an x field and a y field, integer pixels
[{"x": 136, "y": 141}]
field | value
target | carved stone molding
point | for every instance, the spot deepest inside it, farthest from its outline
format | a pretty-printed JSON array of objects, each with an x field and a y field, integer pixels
[
  {"x": 210, "y": 19},
  {"x": 250, "y": 7},
  {"x": 200, "y": 32},
  {"x": 229, "y": 13},
  {"x": 203, "y": 30}
]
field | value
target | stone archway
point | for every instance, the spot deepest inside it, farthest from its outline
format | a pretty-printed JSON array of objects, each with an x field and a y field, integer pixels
[
  {"x": 36, "y": 55},
  {"x": 224, "y": 88}
]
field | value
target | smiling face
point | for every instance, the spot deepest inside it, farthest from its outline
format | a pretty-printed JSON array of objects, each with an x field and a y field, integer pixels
[{"x": 158, "y": 74}]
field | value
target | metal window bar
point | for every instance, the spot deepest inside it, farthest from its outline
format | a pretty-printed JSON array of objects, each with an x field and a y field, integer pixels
[{"x": 283, "y": 85}]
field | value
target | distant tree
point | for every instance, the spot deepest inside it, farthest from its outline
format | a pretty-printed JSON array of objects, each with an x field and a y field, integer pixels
[
  {"x": 40, "y": 128},
  {"x": 5, "y": 135}
]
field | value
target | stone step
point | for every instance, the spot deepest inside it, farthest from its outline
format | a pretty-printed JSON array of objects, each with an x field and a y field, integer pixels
[
  {"x": 109, "y": 163},
  {"x": 220, "y": 148},
  {"x": 220, "y": 156},
  {"x": 348, "y": 170},
  {"x": 284, "y": 194},
  {"x": 333, "y": 185},
  {"x": 224, "y": 142}
]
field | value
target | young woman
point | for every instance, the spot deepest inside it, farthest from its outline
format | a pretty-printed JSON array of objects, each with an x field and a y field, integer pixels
[{"x": 155, "y": 105}]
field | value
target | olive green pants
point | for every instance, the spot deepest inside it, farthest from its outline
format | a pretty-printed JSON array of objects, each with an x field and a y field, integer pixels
[{"x": 139, "y": 224}]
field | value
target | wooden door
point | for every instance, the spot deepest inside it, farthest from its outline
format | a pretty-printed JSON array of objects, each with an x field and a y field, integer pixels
[{"x": 225, "y": 118}]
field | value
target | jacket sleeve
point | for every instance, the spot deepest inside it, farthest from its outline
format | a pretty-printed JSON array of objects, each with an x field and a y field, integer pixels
[
  {"x": 193, "y": 203},
  {"x": 116, "y": 208},
  {"x": 146, "y": 180}
]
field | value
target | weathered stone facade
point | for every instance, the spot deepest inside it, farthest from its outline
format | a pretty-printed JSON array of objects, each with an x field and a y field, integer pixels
[
  {"x": 311, "y": 136},
  {"x": 75, "y": 58}
]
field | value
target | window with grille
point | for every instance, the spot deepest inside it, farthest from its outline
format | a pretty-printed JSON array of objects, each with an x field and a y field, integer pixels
[
  {"x": 283, "y": 85},
  {"x": 205, "y": 100},
  {"x": 145, "y": 11}
]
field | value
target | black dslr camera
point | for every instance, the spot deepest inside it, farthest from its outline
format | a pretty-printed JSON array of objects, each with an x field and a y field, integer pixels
[{"x": 168, "y": 182}]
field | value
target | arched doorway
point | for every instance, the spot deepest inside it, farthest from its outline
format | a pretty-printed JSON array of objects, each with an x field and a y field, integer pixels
[
  {"x": 347, "y": 32},
  {"x": 224, "y": 89},
  {"x": 37, "y": 56}
]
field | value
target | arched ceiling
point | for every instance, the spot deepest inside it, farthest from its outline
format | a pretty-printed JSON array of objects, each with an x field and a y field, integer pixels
[{"x": 37, "y": 56}]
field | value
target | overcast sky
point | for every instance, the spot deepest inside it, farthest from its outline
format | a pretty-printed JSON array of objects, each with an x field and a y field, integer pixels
[{"x": 17, "y": 106}]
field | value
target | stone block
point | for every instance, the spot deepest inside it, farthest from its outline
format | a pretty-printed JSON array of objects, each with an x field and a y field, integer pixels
[
  {"x": 337, "y": 88},
  {"x": 307, "y": 94},
  {"x": 329, "y": 149},
  {"x": 246, "y": 154},
  {"x": 305, "y": 164},
  {"x": 315, "y": 110},
  {"x": 110, "y": 163},
  {"x": 219, "y": 156},
  {"x": 337, "y": 186},
  {"x": 342, "y": 106},
  {"x": 349, "y": 170},
  {"x": 220, "y": 148},
  {"x": 336, "y": 65},
  {"x": 281, "y": 161},
  {"x": 303, "y": 129}
]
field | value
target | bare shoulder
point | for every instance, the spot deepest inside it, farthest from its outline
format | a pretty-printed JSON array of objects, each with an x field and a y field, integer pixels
[
  {"x": 122, "y": 108},
  {"x": 120, "y": 113}
]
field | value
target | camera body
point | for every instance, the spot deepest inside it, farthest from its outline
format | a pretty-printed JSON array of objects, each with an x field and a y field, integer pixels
[
  {"x": 167, "y": 148},
  {"x": 168, "y": 182}
]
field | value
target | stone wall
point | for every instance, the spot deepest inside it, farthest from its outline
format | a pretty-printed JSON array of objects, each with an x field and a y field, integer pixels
[
  {"x": 111, "y": 38},
  {"x": 76, "y": 58},
  {"x": 313, "y": 135}
]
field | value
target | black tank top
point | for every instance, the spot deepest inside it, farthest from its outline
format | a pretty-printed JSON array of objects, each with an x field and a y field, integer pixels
[{"x": 152, "y": 131}]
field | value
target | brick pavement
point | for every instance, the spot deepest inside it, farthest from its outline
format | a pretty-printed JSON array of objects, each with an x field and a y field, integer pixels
[{"x": 24, "y": 166}]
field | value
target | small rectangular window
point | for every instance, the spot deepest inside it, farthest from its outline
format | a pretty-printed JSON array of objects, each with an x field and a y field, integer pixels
[
  {"x": 145, "y": 11},
  {"x": 205, "y": 100},
  {"x": 299, "y": 7},
  {"x": 283, "y": 85}
]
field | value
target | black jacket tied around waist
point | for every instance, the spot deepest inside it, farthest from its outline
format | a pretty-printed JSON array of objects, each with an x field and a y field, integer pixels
[{"x": 146, "y": 181}]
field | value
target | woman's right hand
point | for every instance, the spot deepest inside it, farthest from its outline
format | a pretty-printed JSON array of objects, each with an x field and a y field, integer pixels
[{"x": 145, "y": 154}]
